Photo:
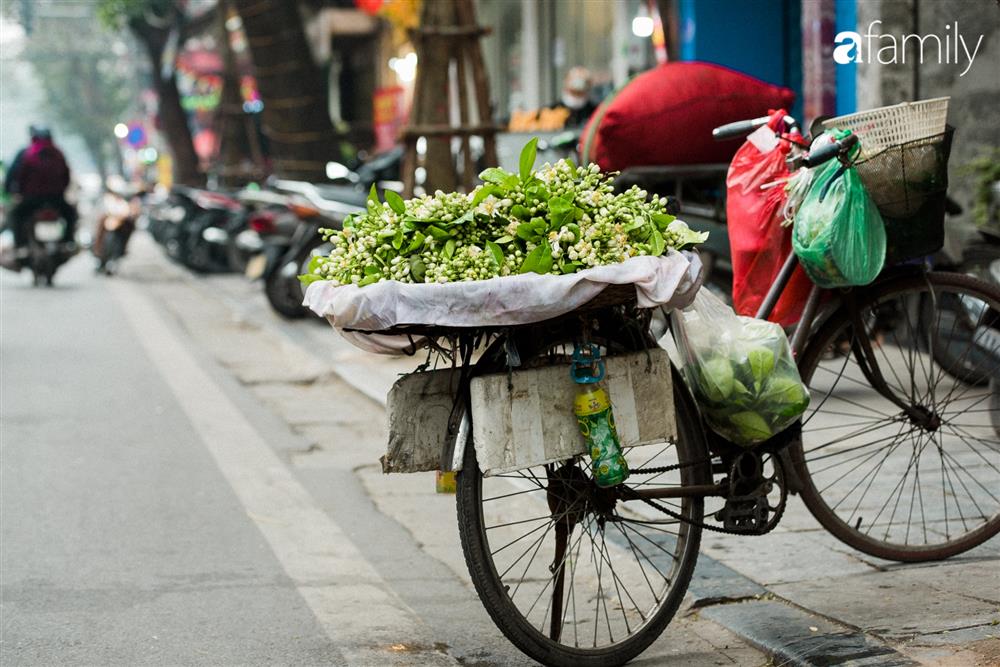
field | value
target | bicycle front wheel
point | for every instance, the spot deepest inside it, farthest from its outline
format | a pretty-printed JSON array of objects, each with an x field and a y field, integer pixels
[
  {"x": 570, "y": 573},
  {"x": 913, "y": 475}
]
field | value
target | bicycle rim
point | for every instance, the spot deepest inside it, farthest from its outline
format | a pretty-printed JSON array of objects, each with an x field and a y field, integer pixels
[
  {"x": 611, "y": 588},
  {"x": 915, "y": 486}
]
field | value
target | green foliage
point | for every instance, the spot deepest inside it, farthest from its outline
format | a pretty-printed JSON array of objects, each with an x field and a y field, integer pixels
[{"x": 985, "y": 171}]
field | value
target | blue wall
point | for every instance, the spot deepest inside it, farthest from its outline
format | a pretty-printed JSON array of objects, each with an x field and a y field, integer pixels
[
  {"x": 847, "y": 93},
  {"x": 762, "y": 39}
]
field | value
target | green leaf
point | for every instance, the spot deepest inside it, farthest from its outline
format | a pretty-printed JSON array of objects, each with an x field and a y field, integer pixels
[
  {"x": 561, "y": 211},
  {"x": 634, "y": 225},
  {"x": 397, "y": 240},
  {"x": 539, "y": 225},
  {"x": 449, "y": 249},
  {"x": 417, "y": 269},
  {"x": 656, "y": 244},
  {"x": 527, "y": 160},
  {"x": 504, "y": 239},
  {"x": 571, "y": 267},
  {"x": 494, "y": 175},
  {"x": 537, "y": 191},
  {"x": 484, "y": 192},
  {"x": 394, "y": 201},
  {"x": 373, "y": 199},
  {"x": 368, "y": 280},
  {"x": 531, "y": 261},
  {"x": 438, "y": 233},
  {"x": 662, "y": 220},
  {"x": 417, "y": 242},
  {"x": 545, "y": 261},
  {"x": 371, "y": 270},
  {"x": 309, "y": 277},
  {"x": 520, "y": 211},
  {"x": 510, "y": 182},
  {"x": 468, "y": 216},
  {"x": 526, "y": 231},
  {"x": 496, "y": 252}
]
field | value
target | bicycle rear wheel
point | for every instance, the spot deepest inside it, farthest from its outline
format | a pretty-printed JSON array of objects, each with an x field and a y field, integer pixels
[
  {"x": 917, "y": 479},
  {"x": 571, "y": 574}
]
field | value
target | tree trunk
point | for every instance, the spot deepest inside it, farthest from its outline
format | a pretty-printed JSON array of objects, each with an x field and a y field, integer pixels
[
  {"x": 292, "y": 87},
  {"x": 431, "y": 100},
  {"x": 173, "y": 119},
  {"x": 237, "y": 165}
]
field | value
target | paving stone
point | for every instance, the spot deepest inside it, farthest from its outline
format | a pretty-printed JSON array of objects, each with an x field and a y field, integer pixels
[
  {"x": 782, "y": 557},
  {"x": 894, "y": 605}
]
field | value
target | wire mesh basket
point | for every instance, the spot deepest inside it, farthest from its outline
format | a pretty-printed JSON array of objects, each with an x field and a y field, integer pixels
[
  {"x": 885, "y": 127},
  {"x": 908, "y": 183}
]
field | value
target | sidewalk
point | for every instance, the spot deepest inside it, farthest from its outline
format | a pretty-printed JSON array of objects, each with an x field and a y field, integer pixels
[{"x": 797, "y": 593}]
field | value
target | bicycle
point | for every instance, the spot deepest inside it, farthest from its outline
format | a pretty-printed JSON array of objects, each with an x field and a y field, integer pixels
[{"x": 576, "y": 574}]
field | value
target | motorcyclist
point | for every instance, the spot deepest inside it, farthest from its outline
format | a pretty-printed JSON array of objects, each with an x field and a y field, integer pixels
[
  {"x": 38, "y": 177},
  {"x": 120, "y": 207}
]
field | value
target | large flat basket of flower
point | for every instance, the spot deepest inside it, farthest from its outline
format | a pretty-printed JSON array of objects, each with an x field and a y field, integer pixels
[{"x": 521, "y": 248}]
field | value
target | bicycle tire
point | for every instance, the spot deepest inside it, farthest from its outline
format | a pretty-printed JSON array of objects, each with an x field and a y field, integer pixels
[
  {"x": 874, "y": 302},
  {"x": 513, "y": 622}
]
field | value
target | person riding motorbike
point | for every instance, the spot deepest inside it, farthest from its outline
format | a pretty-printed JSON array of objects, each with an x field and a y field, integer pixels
[
  {"x": 120, "y": 207},
  {"x": 38, "y": 178}
]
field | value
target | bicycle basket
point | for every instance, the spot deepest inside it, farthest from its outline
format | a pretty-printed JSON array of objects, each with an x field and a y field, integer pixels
[
  {"x": 908, "y": 183},
  {"x": 885, "y": 127}
]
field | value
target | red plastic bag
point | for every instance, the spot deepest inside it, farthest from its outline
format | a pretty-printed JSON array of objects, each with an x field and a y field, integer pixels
[{"x": 758, "y": 243}]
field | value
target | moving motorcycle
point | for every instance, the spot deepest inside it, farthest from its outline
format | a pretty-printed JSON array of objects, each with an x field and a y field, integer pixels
[
  {"x": 47, "y": 250},
  {"x": 114, "y": 229}
]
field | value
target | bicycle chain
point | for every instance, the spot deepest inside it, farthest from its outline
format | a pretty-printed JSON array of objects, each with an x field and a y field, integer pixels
[{"x": 675, "y": 515}]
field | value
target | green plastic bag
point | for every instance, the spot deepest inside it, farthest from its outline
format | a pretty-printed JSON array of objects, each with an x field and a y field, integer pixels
[{"x": 838, "y": 235}]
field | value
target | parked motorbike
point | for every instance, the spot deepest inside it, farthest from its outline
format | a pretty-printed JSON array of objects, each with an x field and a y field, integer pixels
[
  {"x": 958, "y": 323},
  {"x": 287, "y": 257},
  {"x": 988, "y": 338},
  {"x": 47, "y": 250},
  {"x": 266, "y": 214}
]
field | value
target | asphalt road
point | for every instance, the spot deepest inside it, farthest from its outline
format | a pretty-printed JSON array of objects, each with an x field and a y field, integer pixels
[{"x": 180, "y": 484}]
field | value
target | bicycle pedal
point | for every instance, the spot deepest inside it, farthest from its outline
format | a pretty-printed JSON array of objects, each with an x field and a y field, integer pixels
[{"x": 744, "y": 512}]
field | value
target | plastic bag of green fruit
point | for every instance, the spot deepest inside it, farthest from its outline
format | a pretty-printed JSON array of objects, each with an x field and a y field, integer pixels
[{"x": 740, "y": 371}]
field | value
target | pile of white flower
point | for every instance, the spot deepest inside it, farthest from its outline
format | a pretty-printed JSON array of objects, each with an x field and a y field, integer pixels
[{"x": 559, "y": 219}]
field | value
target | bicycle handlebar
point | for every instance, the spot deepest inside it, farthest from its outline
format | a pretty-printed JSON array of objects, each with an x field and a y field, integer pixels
[
  {"x": 827, "y": 152},
  {"x": 740, "y": 128}
]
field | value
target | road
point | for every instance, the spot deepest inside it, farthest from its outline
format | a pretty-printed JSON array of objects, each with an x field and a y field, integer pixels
[{"x": 187, "y": 479}]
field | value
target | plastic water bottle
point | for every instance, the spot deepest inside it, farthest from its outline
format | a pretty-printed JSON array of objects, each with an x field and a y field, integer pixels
[{"x": 596, "y": 419}]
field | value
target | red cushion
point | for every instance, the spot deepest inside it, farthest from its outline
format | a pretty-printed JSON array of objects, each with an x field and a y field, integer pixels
[{"x": 666, "y": 116}]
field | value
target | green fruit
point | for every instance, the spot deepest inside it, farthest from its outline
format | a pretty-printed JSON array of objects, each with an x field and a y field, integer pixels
[
  {"x": 751, "y": 426},
  {"x": 716, "y": 379}
]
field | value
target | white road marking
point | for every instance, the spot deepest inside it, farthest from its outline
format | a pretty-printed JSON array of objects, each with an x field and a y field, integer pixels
[{"x": 369, "y": 624}]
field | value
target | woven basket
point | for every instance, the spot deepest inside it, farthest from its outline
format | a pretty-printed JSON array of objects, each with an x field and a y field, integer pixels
[{"x": 890, "y": 126}]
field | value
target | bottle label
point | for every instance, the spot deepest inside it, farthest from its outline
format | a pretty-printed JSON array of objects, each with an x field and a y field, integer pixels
[{"x": 608, "y": 464}]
